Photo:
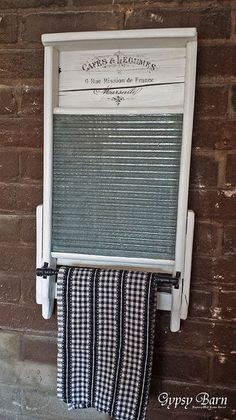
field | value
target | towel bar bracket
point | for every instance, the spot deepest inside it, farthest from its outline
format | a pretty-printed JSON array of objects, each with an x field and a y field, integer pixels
[
  {"x": 160, "y": 278},
  {"x": 46, "y": 271},
  {"x": 167, "y": 279}
]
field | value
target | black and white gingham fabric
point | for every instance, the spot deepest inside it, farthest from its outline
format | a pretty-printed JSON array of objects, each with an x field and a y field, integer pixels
[{"x": 105, "y": 340}]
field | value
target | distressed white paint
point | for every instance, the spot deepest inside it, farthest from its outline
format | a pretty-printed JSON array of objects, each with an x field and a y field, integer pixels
[
  {"x": 39, "y": 251},
  {"x": 187, "y": 265},
  {"x": 125, "y": 97},
  {"x": 122, "y": 78},
  {"x": 191, "y": 55},
  {"x": 165, "y": 45},
  {"x": 121, "y": 111},
  {"x": 163, "y": 266}
]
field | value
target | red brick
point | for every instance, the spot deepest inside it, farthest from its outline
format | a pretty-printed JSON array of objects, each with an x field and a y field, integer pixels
[
  {"x": 202, "y": 271},
  {"x": 212, "y": 22},
  {"x": 21, "y": 64},
  {"x": 224, "y": 271},
  {"x": 229, "y": 239},
  {"x": 32, "y": 100},
  {"x": 22, "y": 317},
  {"x": 214, "y": 134},
  {"x": 211, "y": 101},
  {"x": 38, "y": 349},
  {"x": 36, "y": 24},
  {"x": 192, "y": 334},
  {"x": 224, "y": 369},
  {"x": 31, "y": 165},
  {"x": 161, "y": 414},
  {"x": 182, "y": 366},
  {"x": 21, "y": 133},
  {"x": 15, "y": 4},
  {"x": 9, "y": 166},
  {"x": 216, "y": 60},
  {"x": 7, "y": 101},
  {"x": 205, "y": 238},
  {"x": 8, "y": 28},
  {"x": 200, "y": 303},
  {"x": 204, "y": 170},
  {"x": 231, "y": 169},
  {"x": 223, "y": 337},
  {"x": 10, "y": 288},
  {"x": 9, "y": 228},
  {"x": 16, "y": 258},
  {"x": 233, "y": 98},
  {"x": 217, "y": 205},
  {"x": 95, "y": 2},
  {"x": 28, "y": 288},
  {"x": 19, "y": 197},
  {"x": 28, "y": 229},
  {"x": 227, "y": 304}
]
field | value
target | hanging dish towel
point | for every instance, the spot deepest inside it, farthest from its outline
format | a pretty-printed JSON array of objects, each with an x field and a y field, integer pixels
[{"x": 105, "y": 340}]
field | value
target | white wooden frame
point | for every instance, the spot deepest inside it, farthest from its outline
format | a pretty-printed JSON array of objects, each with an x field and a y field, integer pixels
[{"x": 54, "y": 43}]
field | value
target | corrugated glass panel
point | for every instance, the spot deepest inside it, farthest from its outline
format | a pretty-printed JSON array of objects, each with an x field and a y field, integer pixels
[{"x": 115, "y": 184}]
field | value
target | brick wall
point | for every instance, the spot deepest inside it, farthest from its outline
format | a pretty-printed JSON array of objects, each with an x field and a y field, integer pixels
[{"x": 202, "y": 356}]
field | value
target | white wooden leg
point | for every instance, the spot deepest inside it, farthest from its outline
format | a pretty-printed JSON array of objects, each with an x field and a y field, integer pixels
[
  {"x": 48, "y": 296},
  {"x": 39, "y": 251},
  {"x": 187, "y": 264},
  {"x": 175, "y": 307},
  {"x": 45, "y": 288}
]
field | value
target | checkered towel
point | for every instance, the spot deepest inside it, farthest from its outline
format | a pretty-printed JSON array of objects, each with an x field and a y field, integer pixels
[{"x": 105, "y": 340}]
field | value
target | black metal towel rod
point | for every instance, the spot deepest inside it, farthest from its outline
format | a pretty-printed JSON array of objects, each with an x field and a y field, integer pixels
[{"x": 160, "y": 278}]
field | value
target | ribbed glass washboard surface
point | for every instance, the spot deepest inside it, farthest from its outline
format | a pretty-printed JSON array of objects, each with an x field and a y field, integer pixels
[{"x": 115, "y": 184}]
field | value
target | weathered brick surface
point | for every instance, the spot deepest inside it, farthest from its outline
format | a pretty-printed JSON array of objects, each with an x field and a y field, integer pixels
[
  {"x": 193, "y": 335},
  {"x": 225, "y": 269},
  {"x": 210, "y": 22},
  {"x": 22, "y": 317},
  {"x": 223, "y": 337},
  {"x": 224, "y": 369},
  {"x": 21, "y": 64},
  {"x": 21, "y": 132},
  {"x": 17, "y": 258},
  {"x": 7, "y": 101},
  {"x": 211, "y": 101},
  {"x": 233, "y": 98},
  {"x": 206, "y": 239},
  {"x": 217, "y": 134},
  {"x": 182, "y": 366},
  {"x": 17, "y": 197},
  {"x": 229, "y": 239},
  {"x": 10, "y": 287},
  {"x": 204, "y": 171},
  {"x": 28, "y": 229},
  {"x": 216, "y": 60},
  {"x": 8, "y": 28},
  {"x": 9, "y": 165},
  {"x": 219, "y": 205},
  {"x": 227, "y": 304},
  {"x": 231, "y": 169},
  {"x": 200, "y": 303},
  {"x": 7, "y": 4},
  {"x": 9, "y": 228},
  {"x": 31, "y": 164},
  {"x": 202, "y": 270},
  {"x": 35, "y": 25},
  {"x": 28, "y": 288},
  {"x": 32, "y": 100}
]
